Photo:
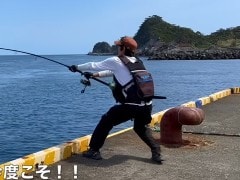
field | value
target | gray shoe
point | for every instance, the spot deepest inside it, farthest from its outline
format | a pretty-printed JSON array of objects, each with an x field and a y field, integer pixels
[
  {"x": 91, "y": 154},
  {"x": 156, "y": 157}
]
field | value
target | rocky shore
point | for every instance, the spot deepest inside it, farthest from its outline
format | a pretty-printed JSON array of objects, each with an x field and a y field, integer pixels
[
  {"x": 176, "y": 52},
  {"x": 193, "y": 54},
  {"x": 100, "y": 54}
]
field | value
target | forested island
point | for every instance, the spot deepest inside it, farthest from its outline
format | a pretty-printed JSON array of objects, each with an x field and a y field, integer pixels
[{"x": 160, "y": 40}]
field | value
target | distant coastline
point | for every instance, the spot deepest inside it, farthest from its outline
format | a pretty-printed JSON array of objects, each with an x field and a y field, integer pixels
[
  {"x": 100, "y": 54},
  {"x": 185, "y": 54},
  {"x": 194, "y": 54}
]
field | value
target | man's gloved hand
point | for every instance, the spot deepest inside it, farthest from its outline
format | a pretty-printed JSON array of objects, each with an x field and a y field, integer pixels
[
  {"x": 88, "y": 75},
  {"x": 73, "y": 68}
]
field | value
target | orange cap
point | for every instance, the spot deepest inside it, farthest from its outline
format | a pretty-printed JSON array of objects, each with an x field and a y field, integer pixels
[{"x": 128, "y": 42}]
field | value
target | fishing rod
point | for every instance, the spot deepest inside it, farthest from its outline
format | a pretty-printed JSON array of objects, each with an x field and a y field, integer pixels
[
  {"x": 85, "y": 82},
  {"x": 23, "y": 52}
]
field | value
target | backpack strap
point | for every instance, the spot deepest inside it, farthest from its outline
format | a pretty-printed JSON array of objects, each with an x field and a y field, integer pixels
[
  {"x": 138, "y": 65},
  {"x": 124, "y": 59}
]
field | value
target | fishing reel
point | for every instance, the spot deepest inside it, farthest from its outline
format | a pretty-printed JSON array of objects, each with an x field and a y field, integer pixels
[{"x": 85, "y": 82}]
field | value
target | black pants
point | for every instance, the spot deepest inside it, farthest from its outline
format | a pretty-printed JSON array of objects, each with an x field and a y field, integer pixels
[{"x": 122, "y": 113}]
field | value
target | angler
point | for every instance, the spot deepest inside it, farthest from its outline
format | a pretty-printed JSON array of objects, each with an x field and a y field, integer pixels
[{"x": 129, "y": 105}]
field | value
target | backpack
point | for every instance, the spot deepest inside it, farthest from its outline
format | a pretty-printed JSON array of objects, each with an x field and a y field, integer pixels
[{"x": 143, "y": 81}]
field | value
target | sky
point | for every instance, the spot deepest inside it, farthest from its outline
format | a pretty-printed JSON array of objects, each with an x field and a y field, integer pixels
[{"x": 74, "y": 26}]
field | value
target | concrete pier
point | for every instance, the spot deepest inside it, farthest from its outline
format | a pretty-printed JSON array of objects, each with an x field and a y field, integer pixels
[{"x": 210, "y": 150}]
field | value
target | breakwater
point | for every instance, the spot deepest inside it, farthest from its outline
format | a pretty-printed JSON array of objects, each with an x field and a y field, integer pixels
[{"x": 210, "y": 54}]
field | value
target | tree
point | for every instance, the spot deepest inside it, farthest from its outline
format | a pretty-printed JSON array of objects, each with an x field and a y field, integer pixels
[{"x": 102, "y": 47}]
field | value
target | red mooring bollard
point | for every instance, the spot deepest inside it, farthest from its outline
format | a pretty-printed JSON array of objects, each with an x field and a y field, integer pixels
[{"x": 173, "y": 119}]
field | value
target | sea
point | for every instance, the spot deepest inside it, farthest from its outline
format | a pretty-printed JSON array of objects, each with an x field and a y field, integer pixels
[{"x": 42, "y": 103}]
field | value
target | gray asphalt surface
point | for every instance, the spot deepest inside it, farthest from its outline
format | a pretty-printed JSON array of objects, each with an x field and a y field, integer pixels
[{"x": 210, "y": 151}]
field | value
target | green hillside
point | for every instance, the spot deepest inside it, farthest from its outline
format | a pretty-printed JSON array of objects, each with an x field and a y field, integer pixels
[{"x": 154, "y": 29}]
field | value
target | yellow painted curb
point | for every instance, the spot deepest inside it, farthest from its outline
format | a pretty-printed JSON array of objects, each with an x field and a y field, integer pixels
[
  {"x": 119, "y": 132},
  {"x": 220, "y": 94},
  {"x": 51, "y": 155},
  {"x": 236, "y": 90},
  {"x": 205, "y": 100},
  {"x": 47, "y": 156},
  {"x": 157, "y": 117},
  {"x": 189, "y": 104}
]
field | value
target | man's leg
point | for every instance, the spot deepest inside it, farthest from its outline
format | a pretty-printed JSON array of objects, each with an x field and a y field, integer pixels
[
  {"x": 116, "y": 115},
  {"x": 141, "y": 121}
]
